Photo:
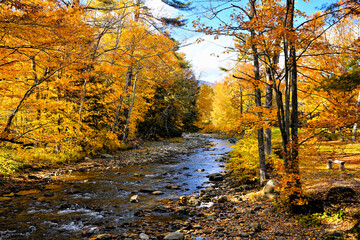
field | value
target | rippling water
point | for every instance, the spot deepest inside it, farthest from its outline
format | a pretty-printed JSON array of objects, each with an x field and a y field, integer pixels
[{"x": 87, "y": 200}]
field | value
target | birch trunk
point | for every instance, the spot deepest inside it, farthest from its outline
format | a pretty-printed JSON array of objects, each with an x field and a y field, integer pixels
[
  {"x": 260, "y": 130},
  {"x": 356, "y": 119}
]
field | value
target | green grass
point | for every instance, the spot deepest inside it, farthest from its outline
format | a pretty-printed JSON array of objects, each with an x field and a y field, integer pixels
[{"x": 16, "y": 158}]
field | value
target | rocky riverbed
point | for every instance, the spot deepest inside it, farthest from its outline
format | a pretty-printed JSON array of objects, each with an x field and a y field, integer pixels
[
  {"x": 157, "y": 151},
  {"x": 221, "y": 209},
  {"x": 227, "y": 212},
  {"x": 101, "y": 194}
]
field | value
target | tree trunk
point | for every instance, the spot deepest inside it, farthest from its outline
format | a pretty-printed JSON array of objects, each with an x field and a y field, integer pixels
[
  {"x": 46, "y": 76},
  {"x": 82, "y": 102},
  {"x": 268, "y": 104},
  {"x": 126, "y": 129},
  {"x": 292, "y": 169},
  {"x": 260, "y": 130},
  {"x": 36, "y": 79},
  {"x": 356, "y": 119},
  {"x": 129, "y": 76}
]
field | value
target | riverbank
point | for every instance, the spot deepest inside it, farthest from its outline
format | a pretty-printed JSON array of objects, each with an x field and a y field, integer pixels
[{"x": 227, "y": 211}]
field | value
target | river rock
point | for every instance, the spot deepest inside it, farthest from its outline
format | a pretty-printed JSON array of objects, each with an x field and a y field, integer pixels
[
  {"x": 244, "y": 234},
  {"x": 268, "y": 210},
  {"x": 182, "y": 211},
  {"x": 232, "y": 140},
  {"x": 223, "y": 199},
  {"x": 169, "y": 186},
  {"x": 200, "y": 170},
  {"x": 157, "y": 193},
  {"x": 103, "y": 236},
  {"x": 146, "y": 190},
  {"x": 163, "y": 208},
  {"x": 256, "y": 227},
  {"x": 269, "y": 188},
  {"x": 216, "y": 177},
  {"x": 174, "y": 236},
  {"x": 143, "y": 236},
  {"x": 183, "y": 200},
  {"x": 105, "y": 155},
  {"x": 194, "y": 202},
  {"x": 134, "y": 199}
]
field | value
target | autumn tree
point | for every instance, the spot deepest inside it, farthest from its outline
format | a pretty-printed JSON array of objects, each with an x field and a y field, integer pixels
[
  {"x": 39, "y": 61},
  {"x": 204, "y": 104},
  {"x": 173, "y": 110},
  {"x": 129, "y": 33},
  {"x": 65, "y": 73}
]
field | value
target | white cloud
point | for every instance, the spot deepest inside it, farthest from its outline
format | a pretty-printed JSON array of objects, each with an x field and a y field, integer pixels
[
  {"x": 207, "y": 56},
  {"x": 160, "y": 9}
]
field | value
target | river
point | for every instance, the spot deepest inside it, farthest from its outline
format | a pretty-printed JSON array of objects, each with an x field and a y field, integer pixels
[{"x": 84, "y": 201}]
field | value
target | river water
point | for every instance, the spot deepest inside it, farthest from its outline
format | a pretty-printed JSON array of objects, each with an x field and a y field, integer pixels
[{"x": 84, "y": 201}]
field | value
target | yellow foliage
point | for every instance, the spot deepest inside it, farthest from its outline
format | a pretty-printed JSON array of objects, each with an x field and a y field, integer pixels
[{"x": 244, "y": 160}]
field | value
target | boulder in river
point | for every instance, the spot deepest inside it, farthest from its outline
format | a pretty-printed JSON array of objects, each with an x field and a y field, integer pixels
[
  {"x": 157, "y": 193},
  {"x": 134, "y": 199},
  {"x": 170, "y": 186},
  {"x": 216, "y": 177},
  {"x": 143, "y": 236},
  {"x": 174, "y": 236},
  {"x": 144, "y": 190},
  {"x": 183, "y": 200},
  {"x": 193, "y": 201},
  {"x": 233, "y": 140}
]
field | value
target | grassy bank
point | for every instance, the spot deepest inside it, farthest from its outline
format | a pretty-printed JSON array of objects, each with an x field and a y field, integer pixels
[{"x": 316, "y": 178}]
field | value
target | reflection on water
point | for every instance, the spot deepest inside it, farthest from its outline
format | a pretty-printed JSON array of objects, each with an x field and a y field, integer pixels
[{"x": 87, "y": 200}]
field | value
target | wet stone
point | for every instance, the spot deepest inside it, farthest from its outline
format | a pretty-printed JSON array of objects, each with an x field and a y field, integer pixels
[
  {"x": 216, "y": 177},
  {"x": 197, "y": 226},
  {"x": 146, "y": 190},
  {"x": 174, "y": 236},
  {"x": 104, "y": 237},
  {"x": 157, "y": 193},
  {"x": 134, "y": 199},
  {"x": 143, "y": 236}
]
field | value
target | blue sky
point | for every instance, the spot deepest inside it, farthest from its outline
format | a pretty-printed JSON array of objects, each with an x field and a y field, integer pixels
[{"x": 207, "y": 56}]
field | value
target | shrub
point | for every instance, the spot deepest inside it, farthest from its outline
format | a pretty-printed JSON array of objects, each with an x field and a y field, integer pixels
[{"x": 244, "y": 160}]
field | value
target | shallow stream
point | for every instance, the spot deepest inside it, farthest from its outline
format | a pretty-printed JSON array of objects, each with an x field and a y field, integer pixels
[{"x": 84, "y": 201}]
